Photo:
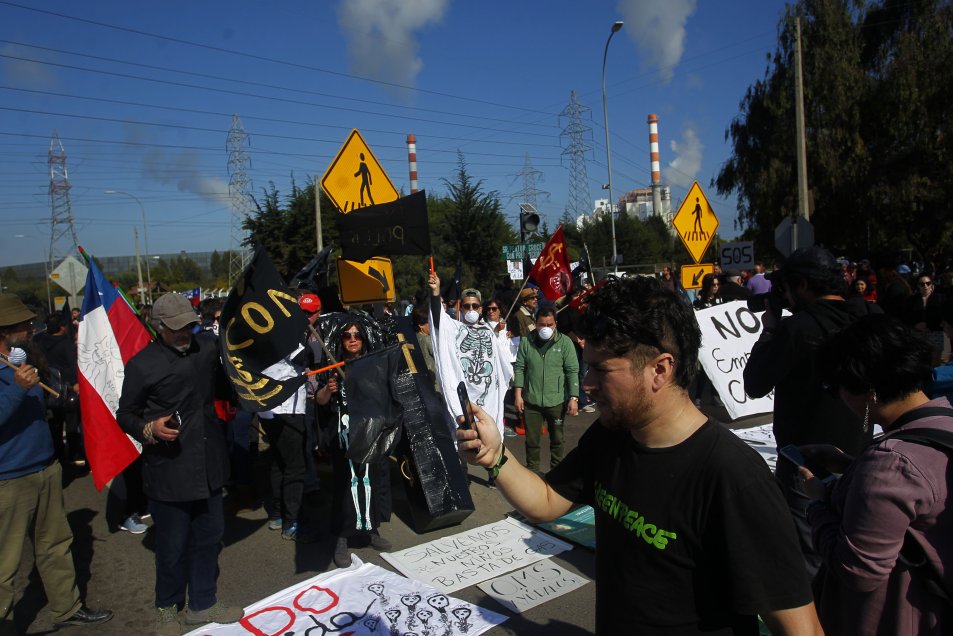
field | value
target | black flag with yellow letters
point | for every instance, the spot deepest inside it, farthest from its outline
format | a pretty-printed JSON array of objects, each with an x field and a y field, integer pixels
[
  {"x": 261, "y": 324},
  {"x": 386, "y": 229}
]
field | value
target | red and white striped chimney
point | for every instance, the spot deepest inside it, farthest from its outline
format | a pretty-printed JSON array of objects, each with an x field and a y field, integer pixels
[
  {"x": 412, "y": 159},
  {"x": 653, "y": 149}
]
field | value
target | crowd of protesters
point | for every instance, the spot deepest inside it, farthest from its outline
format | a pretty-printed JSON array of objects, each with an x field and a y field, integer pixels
[{"x": 873, "y": 549}]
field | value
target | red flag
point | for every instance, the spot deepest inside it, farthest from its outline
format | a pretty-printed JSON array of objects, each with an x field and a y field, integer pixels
[
  {"x": 551, "y": 271},
  {"x": 579, "y": 302}
]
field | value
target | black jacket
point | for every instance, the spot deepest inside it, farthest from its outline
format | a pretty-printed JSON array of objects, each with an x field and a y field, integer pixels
[
  {"x": 60, "y": 353},
  {"x": 160, "y": 381},
  {"x": 804, "y": 412}
]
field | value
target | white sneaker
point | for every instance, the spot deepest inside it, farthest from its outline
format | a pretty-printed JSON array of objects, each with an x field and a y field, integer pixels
[{"x": 589, "y": 408}]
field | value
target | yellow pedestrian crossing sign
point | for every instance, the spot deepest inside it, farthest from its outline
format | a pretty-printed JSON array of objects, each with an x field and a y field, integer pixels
[
  {"x": 695, "y": 222},
  {"x": 355, "y": 179}
]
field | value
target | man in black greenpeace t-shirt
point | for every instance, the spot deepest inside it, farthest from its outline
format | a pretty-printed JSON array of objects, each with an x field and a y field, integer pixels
[{"x": 693, "y": 535}]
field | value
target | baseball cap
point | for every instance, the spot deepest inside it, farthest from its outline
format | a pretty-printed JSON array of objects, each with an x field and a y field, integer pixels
[
  {"x": 13, "y": 311},
  {"x": 174, "y": 311},
  {"x": 472, "y": 292},
  {"x": 310, "y": 303},
  {"x": 807, "y": 260}
]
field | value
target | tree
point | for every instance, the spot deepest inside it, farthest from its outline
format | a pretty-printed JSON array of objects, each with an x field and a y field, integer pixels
[
  {"x": 877, "y": 84},
  {"x": 286, "y": 228},
  {"x": 472, "y": 229}
]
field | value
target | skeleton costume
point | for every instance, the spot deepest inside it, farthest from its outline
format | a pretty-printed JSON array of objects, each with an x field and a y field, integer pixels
[{"x": 475, "y": 354}]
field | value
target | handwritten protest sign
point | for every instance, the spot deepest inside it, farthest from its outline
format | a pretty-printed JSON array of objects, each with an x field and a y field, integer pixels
[
  {"x": 728, "y": 333},
  {"x": 467, "y": 558},
  {"x": 361, "y": 600},
  {"x": 524, "y": 589}
]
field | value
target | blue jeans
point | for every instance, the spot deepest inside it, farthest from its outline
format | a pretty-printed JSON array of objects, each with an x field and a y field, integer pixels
[{"x": 188, "y": 539}]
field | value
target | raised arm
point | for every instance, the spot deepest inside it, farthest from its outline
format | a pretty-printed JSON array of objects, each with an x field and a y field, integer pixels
[{"x": 523, "y": 488}]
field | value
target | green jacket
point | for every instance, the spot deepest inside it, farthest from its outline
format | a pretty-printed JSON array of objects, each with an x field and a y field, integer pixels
[{"x": 548, "y": 372}]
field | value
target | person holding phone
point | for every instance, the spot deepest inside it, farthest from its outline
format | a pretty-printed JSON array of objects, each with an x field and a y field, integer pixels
[
  {"x": 680, "y": 547},
  {"x": 167, "y": 405},
  {"x": 884, "y": 530}
]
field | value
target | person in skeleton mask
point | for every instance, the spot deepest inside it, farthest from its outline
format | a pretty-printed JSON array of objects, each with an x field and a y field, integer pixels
[{"x": 470, "y": 351}]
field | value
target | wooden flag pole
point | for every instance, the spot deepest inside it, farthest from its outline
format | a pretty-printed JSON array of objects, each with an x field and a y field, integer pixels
[
  {"x": 45, "y": 388},
  {"x": 317, "y": 336}
]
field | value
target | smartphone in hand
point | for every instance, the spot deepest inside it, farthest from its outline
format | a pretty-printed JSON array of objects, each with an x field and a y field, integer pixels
[
  {"x": 465, "y": 406},
  {"x": 174, "y": 422},
  {"x": 793, "y": 454}
]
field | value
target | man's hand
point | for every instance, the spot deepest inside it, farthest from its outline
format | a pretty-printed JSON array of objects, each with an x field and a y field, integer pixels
[
  {"x": 434, "y": 283},
  {"x": 26, "y": 376},
  {"x": 771, "y": 317},
  {"x": 518, "y": 401},
  {"x": 163, "y": 432},
  {"x": 572, "y": 406},
  {"x": 483, "y": 441}
]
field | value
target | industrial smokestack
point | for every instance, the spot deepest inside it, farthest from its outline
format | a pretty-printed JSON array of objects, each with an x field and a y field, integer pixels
[
  {"x": 656, "y": 167},
  {"x": 412, "y": 159}
]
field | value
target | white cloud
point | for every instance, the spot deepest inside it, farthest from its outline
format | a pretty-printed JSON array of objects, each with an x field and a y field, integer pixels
[
  {"x": 381, "y": 36},
  {"x": 25, "y": 73},
  {"x": 683, "y": 169},
  {"x": 658, "y": 29}
]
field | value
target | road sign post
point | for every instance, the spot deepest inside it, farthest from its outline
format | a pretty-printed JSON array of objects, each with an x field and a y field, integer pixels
[
  {"x": 695, "y": 222},
  {"x": 793, "y": 234},
  {"x": 355, "y": 179},
  {"x": 70, "y": 274}
]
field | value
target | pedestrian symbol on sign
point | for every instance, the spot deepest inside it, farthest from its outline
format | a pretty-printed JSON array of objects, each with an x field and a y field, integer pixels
[
  {"x": 355, "y": 179},
  {"x": 695, "y": 222}
]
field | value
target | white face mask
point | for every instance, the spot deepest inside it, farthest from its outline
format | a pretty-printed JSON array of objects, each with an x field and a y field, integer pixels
[
  {"x": 545, "y": 333},
  {"x": 471, "y": 316}
]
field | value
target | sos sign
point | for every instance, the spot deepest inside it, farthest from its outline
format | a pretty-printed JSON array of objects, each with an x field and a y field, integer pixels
[{"x": 738, "y": 255}]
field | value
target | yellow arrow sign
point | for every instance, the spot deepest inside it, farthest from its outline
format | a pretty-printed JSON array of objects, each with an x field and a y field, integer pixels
[
  {"x": 695, "y": 222},
  {"x": 355, "y": 179},
  {"x": 692, "y": 274},
  {"x": 369, "y": 282}
]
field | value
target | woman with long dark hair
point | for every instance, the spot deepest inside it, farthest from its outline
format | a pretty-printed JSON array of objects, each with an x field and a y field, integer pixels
[
  {"x": 708, "y": 295},
  {"x": 884, "y": 528},
  {"x": 360, "y": 491}
]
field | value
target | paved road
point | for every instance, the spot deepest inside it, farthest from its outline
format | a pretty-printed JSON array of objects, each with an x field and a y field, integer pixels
[{"x": 116, "y": 569}]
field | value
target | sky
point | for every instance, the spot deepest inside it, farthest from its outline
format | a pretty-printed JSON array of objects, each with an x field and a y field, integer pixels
[{"x": 142, "y": 97}]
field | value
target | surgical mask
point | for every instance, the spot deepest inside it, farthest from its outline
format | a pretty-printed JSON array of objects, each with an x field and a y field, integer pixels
[
  {"x": 545, "y": 333},
  {"x": 471, "y": 316}
]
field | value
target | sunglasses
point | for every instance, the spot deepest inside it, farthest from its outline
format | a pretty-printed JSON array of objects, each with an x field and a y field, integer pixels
[
  {"x": 925, "y": 284},
  {"x": 471, "y": 305},
  {"x": 351, "y": 335},
  {"x": 492, "y": 308}
]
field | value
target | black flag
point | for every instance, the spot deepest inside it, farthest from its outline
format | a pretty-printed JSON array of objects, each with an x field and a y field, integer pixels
[
  {"x": 308, "y": 276},
  {"x": 583, "y": 267},
  {"x": 261, "y": 324},
  {"x": 386, "y": 229}
]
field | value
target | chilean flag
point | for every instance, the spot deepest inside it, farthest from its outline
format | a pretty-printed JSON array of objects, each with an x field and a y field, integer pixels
[{"x": 109, "y": 335}]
